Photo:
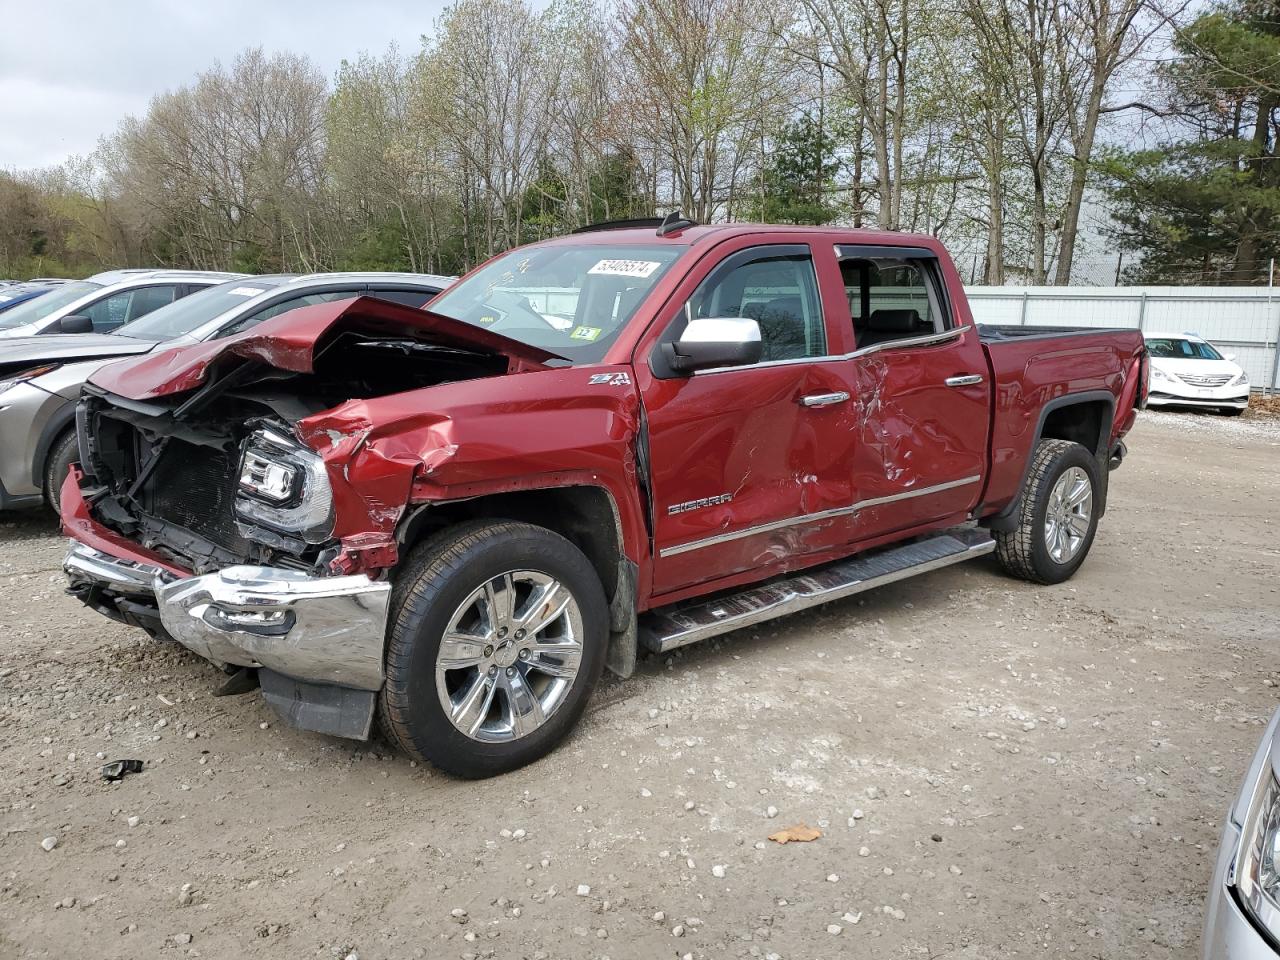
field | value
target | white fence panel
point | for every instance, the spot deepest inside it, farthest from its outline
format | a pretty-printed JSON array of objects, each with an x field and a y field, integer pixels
[{"x": 1244, "y": 321}]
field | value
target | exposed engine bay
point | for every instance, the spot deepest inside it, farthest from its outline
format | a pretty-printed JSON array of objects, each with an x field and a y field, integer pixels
[{"x": 217, "y": 475}]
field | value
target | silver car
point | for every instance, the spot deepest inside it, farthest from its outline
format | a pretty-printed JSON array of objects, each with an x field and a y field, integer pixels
[
  {"x": 41, "y": 377},
  {"x": 105, "y": 301},
  {"x": 1243, "y": 916}
]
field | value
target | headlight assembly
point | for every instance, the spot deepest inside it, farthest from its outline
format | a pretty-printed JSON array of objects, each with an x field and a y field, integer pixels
[
  {"x": 1257, "y": 866},
  {"x": 1158, "y": 374},
  {"x": 1241, "y": 381},
  {"x": 25, "y": 375},
  {"x": 284, "y": 487}
]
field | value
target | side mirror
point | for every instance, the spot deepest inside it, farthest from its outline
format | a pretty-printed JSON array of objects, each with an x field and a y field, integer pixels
[
  {"x": 1229, "y": 356},
  {"x": 76, "y": 323},
  {"x": 709, "y": 342}
]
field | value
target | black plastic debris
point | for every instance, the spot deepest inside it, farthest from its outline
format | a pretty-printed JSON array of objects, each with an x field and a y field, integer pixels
[{"x": 117, "y": 769}]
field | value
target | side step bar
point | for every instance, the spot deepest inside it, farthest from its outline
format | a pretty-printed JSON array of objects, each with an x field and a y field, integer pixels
[{"x": 681, "y": 624}]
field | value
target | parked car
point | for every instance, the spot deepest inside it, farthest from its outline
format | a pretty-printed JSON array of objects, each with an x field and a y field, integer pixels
[
  {"x": 13, "y": 294},
  {"x": 104, "y": 302},
  {"x": 41, "y": 377},
  {"x": 1188, "y": 371},
  {"x": 1242, "y": 921},
  {"x": 453, "y": 519}
]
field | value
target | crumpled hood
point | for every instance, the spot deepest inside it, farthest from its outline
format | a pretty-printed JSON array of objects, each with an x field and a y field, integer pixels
[
  {"x": 292, "y": 340},
  {"x": 24, "y": 352}
]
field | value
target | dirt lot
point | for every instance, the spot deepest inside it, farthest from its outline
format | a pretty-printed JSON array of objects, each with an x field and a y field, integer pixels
[{"x": 998, "y": 770}]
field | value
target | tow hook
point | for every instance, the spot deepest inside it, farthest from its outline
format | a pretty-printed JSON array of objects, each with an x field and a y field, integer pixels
[{"x": 1118, "y": 453}]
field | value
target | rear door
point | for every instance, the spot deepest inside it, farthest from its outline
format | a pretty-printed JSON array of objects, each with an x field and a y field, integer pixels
[
  {"x": 920, "y": 379},
  {"x": 749, "y": 465}
]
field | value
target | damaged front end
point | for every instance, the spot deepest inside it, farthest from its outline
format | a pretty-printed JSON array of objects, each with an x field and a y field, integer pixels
[{"x": 222, "y": 501}]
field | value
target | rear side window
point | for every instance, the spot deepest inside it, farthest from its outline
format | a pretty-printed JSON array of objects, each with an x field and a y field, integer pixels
[
  {"x": 147, "y": 299},
  {"x": 892, "y": 299},
  {"x": 410, "y": 298}
]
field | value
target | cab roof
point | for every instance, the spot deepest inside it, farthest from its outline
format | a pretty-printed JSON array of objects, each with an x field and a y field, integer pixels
[{"x": 700, "y": 234}]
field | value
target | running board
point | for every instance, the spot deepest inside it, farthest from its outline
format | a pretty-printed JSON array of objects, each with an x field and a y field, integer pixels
[{"x": 684, "y": 623}]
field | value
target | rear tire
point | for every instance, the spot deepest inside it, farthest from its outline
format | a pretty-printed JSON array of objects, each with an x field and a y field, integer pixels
[
  {"x": 64, "y": 452},
  {"x": 1057, "y": 515},
  {"x": 513, "y": 676}
]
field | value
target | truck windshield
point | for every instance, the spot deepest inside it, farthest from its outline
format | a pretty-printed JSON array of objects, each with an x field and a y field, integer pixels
[
  {"x": 1177, "y": 348},
  {"x": 41, "y": 306},
  {"x": 571, "y": 300}
]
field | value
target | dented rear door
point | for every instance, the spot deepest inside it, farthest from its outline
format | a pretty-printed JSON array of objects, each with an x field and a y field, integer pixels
[{"x": 923, "y": 396}]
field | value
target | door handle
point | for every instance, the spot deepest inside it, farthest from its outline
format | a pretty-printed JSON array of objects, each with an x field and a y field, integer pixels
[
  {"x": 966, "y": 380},
  {"x": 824, "y": 399}
]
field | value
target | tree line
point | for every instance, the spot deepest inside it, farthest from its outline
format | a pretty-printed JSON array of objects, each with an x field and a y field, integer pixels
[{"x": 982, "y": 121}]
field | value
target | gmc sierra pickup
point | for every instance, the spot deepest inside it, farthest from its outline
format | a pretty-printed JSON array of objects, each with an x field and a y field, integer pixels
[{"x": 448, "y": 521}]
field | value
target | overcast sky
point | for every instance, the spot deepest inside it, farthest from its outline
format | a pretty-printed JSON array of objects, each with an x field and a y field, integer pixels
[{"x": 71, "y": 69}]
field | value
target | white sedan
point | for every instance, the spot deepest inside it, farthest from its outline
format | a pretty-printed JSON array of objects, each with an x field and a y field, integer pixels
[{"x": 1187, "y": 371}]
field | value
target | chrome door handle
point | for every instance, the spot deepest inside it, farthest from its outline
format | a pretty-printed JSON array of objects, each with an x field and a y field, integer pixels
[
  {"x": 967, "y": 380},
  {"x": 824, "y": 399}
]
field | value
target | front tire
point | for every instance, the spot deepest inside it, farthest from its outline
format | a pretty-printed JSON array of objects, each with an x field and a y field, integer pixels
[
  {"x": 64, "y": 452},
  {"x": 1057, "y": 516},
  {"x": 1231, "y": 411},
  {"x": 498, "y": 636}
]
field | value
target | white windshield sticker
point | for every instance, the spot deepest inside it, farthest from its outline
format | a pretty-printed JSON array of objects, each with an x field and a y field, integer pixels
[
  {"x": 246, "y": 291},
  {"x": 625, "y": 268},
  {"x": 4, "y": 299}
]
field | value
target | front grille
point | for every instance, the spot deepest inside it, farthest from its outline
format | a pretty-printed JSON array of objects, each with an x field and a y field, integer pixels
[
  {"x": 194, "y": 487},
  {"x": 1211, "y": 380}
]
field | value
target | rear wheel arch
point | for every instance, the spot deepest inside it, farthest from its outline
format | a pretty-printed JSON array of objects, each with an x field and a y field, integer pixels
[{"x": 1085, "y": 418}]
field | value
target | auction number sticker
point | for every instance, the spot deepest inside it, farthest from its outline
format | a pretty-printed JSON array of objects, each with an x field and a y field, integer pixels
[
  {"x": 625, "y": 268},
  {"x": 586, "y": 333}
]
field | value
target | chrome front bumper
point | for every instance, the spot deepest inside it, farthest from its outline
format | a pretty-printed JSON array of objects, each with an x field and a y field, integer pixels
[{"x": 319, "y": 630}]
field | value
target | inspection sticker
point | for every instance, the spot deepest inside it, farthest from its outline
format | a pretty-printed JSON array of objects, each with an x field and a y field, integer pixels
[
  {"x": 585, "y": 333},
  {"x": 625, "y": 268},
  {"x": 246, "y": 291}
]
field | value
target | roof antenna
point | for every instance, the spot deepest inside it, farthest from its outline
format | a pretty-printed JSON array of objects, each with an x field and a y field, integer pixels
[{"x": 674, "y": 222}]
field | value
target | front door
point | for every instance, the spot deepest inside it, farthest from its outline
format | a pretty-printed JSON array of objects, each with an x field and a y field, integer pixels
[{"x": 749, "y": 466}]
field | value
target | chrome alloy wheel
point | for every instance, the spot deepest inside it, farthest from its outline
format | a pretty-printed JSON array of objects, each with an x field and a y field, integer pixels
[
  {"x": 1066, "y": 519},
  {"x": 509, "y": 656}
]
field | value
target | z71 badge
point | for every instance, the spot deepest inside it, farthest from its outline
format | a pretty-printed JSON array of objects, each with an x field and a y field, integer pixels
[{"x": 612, "y": 379}]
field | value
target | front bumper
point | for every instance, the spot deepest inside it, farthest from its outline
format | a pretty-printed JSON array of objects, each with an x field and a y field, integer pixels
[
  {"x": 305, "y": 633},
  {"x": 1164, "y": 395}
]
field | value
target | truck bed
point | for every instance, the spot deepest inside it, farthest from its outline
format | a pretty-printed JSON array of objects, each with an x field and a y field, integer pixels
[{"x": 1036, "y": 369}]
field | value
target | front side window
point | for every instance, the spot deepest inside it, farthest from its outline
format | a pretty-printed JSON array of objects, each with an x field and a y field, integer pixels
[
  {"x": 573, "y": 301},
  {"x": 779, "y": 292},
  {"x": 147, "y": 299},
  {"x": 891, "y": 299},
  {"x": 109, "y": 312}
]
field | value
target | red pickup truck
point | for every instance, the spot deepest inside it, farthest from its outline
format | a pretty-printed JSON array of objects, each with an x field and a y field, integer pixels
[{"x": 450, "y": 520}]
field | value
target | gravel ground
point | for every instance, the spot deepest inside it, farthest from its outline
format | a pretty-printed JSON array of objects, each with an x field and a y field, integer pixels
[{"x": 997, "y": 770}]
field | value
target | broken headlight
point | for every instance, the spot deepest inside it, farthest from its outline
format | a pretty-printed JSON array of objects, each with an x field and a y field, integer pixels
[{"x": 284, "y": 487}]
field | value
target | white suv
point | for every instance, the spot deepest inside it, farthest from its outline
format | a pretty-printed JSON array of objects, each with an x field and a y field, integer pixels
[{"x": 105, "y": 301}]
